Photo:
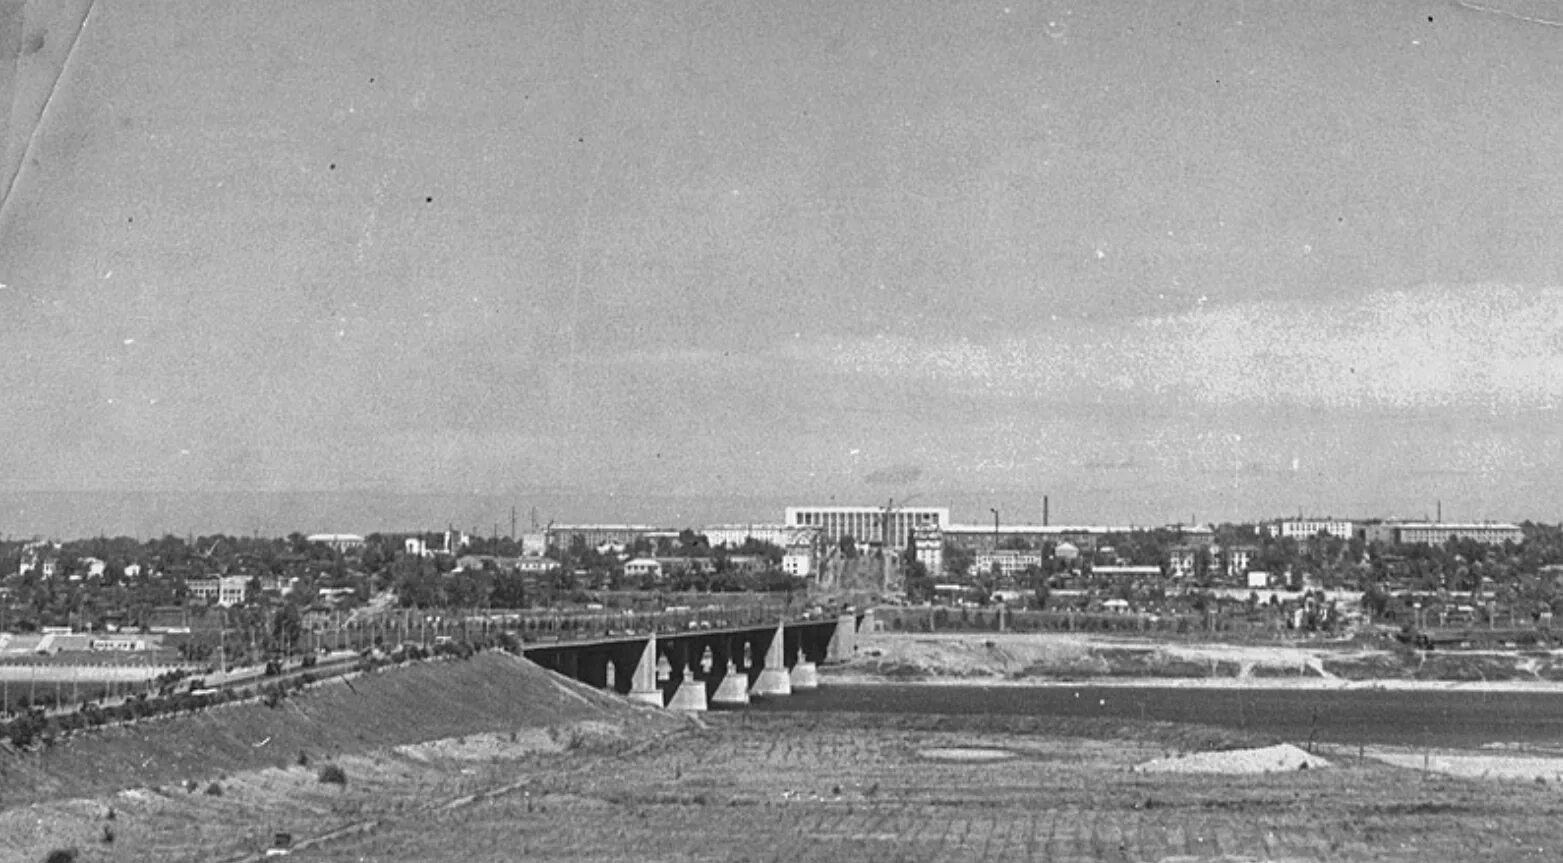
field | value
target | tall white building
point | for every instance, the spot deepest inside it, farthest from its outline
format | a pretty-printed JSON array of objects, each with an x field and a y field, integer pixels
[
  {"x": 868, "y": 524},
  {"x": 928, "y": 543}
]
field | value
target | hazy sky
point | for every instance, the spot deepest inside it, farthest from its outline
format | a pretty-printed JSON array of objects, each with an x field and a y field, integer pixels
[{"x": 1156, "y": 260}]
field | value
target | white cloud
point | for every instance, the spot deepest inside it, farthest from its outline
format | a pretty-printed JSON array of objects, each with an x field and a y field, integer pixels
[{"x": 1486, "y": 346}]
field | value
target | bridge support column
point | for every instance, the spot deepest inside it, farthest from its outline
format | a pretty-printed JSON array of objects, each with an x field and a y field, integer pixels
[
  {"x": 843, "y": 641},
  {"x": 733, "y": 691},
  {"x": 804, "y": 676},
  {"x": 643, "y": 683},
  {"x": 773, "y": 679},
  {"x": 688, "y": 693}
]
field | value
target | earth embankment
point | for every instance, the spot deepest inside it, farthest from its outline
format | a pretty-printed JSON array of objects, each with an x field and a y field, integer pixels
[{"x": 414, "y": 703}]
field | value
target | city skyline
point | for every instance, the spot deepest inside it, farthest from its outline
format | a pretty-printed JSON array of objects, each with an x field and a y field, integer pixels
[
  {"x": 64, "y": 517},
  {"x": 411, "y": 265}
]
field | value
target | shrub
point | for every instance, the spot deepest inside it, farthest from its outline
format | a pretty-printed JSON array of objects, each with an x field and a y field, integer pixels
[
  {"x": 333, "y": 774},
  {"x": 214, "y": 790},
  {"x": 61, "y": 855}
]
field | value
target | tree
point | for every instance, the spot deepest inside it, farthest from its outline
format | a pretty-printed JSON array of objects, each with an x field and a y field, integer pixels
[
  {"x": 1376, "y": 601},
  {"x": 287, "y": 626},
  {"x": 509, "y": 591},
  {"x": 958, "y": 560},
  {"x": 848, "y": 546},
  {"x": 919, "y": 584}
]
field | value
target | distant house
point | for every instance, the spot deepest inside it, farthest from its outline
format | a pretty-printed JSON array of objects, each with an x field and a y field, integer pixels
[
  {"x": 1127, "y": 572},
  {"x": 474, "y": 562},
  {"x": 229, "y": 590},
  {"x": 232, "y": 590},
  {"x": 1237, "y": 558},
  {"x": 203, "y": 588},
  {"x": 1008, "y": 561},
  {"x": 799, "y": 562},
  {"x": 641, "y": 567}
]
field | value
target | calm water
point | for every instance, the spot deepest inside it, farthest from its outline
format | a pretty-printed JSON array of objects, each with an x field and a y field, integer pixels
[{"x": 1453, "y": 719}]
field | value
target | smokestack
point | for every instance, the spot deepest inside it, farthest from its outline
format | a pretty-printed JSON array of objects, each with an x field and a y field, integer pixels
[
  {"x": 1044, "y": 510},
  {"x": 1440, "y": 512}
]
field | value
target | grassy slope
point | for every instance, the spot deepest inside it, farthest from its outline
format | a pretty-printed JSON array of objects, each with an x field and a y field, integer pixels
[{"x": 419, "y": 702}]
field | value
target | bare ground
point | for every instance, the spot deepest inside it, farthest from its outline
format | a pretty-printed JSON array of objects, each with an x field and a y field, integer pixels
[
  {"x": 596, "y": 780},
  {"x": 1040, "y": 658},
  {"x": 861, "y": 788}
]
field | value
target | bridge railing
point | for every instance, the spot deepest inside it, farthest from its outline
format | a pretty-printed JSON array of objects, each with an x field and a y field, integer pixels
[
  {"x": 429, "y": 627},
  {"x": 536, "y": 627}
]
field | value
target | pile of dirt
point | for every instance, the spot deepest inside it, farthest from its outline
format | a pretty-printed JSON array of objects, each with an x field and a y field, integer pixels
[
  {"x": 1280, "y": 758},
  {"x": 489, "y": 693}
]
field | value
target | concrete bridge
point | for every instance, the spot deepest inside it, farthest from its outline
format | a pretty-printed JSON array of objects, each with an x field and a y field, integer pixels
[{"x": 699, "y": 668}]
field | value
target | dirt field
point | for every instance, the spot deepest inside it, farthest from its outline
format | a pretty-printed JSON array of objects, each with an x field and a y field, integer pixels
[
  {"x": 851, "y": 787},
  {"x": 589, "y": 778},
  {"x": 857, "y": 788}
]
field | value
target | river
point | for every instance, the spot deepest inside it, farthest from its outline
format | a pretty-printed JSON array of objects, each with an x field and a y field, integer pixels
[{"x": 1408, "y": 718}]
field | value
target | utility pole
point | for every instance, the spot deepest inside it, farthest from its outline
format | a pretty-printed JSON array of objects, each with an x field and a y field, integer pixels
[{"x": 884, "y": 543}]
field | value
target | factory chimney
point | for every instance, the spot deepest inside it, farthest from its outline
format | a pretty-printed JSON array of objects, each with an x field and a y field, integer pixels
[{"x": 1044, "y": 510}]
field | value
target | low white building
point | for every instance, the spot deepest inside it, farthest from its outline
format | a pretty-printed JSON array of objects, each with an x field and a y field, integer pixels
[
  {"x": 1307, "y": 528},
  {"x": 642, "y": 567},
  {"x": 780, "y": 535},
  {"x": 798, "y": 562},
  {"x": 1008, "y": 562},
  {"x": 1438, "y": 533},
  {"x": 343, "y": 542}
]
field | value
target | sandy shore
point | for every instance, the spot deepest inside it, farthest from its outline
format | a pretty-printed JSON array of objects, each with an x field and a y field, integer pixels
[
  {"x": 1075, "y": 659},
  {"x": 849, "y": 679}
]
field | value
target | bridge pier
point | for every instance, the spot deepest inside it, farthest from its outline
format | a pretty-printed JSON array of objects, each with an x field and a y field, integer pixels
[
  {"x": 695, "y": 670},
  {"x": 733, "y": 691},
  {"x": 688, "y": 693},
  {"x": 843, "y": 640},
  {"x": 643, "y": 682},
  {"x": 773, "y": 678}
]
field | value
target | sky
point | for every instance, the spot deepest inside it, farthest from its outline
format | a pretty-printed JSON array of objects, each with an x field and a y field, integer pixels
[{"x": 371, "y": 265}]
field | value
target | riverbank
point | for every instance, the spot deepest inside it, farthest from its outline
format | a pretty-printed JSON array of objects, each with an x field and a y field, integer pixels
[{"x": 1046, "y": 659}]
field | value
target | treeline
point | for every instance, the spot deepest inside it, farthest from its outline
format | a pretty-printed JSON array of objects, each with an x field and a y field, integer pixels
[{"x": 34, "y": 723}]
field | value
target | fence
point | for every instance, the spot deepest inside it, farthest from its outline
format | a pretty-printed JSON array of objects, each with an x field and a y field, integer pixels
[{"x": 966, "y": 619}]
